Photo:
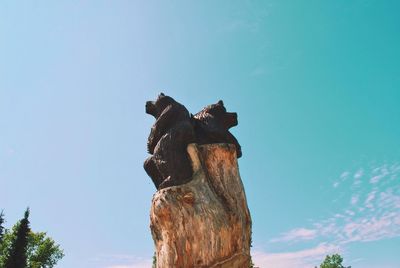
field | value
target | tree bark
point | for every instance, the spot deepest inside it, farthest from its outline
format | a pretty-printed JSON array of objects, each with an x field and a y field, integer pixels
[{"x": 205, "y": 222}]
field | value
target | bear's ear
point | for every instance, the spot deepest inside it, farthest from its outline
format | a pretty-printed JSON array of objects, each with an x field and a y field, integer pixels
[
  {"x": 220, "y": 102},
  {"x": 161, "y": 95}
]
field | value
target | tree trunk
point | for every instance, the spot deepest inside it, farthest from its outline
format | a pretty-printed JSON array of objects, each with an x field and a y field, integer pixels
[{"x": 205, "y": 222}]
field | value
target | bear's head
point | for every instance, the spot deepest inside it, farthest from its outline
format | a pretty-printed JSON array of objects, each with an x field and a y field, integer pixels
[
  {"x": 219, "y": 113},
  {"x": 155, "y": 108}
]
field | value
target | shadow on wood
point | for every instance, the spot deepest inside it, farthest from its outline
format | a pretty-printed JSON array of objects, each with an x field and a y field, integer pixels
[{"x": 205, "y": 222}]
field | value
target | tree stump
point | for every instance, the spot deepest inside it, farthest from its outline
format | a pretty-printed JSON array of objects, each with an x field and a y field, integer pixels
[{"x": 205, "y": 222}]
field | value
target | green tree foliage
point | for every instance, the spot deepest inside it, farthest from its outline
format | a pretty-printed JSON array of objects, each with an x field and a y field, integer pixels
[
  {"x": 334, "y": 261},
  {"x": 40, "y": 251},
  {"x": 154, "y": 261},
  {"x": 8, "y": 239},
  {"x": 16, "y": 257},
  {"x": 2, "y": 230},
  {"x": 251, "y": 245},
  {"x": 1, "y": 227}
]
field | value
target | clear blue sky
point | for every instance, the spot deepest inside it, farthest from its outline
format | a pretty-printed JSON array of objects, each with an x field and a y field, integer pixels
[{"x": 316, "y": 85}]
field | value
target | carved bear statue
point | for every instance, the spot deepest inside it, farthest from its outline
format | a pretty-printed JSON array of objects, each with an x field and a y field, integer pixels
[
  {"x": 170, "y": 135},
  {"x": 212, "y": 124}
]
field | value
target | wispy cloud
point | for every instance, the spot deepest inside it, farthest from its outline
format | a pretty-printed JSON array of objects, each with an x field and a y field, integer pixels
[
  {"x": 305, "y": 258},
  {"x": 297, "y": 234},
  {"x": 141, "y": 264},
  {"x": 122, "y": 261},
  {"x": 372, "y": 212},
  {"x": 372, "y": 229},
  {"x": 354, "y": 199},
  {"x": 368, "y": 202},
  {"x": 344, "y": 175},
  {"x": 359, "y": 173}
]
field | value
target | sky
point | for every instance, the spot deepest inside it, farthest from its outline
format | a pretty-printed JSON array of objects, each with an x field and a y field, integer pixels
[{"x": 316, "y": 85}]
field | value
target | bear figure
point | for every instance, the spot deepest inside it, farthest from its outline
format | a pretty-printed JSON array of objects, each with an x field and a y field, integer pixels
[
  {"x": 212, "y": 124},
  {"x": 170, "y": 135}
]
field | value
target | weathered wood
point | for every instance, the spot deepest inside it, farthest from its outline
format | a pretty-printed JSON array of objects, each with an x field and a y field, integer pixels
[{"x": 205, "y": 222}]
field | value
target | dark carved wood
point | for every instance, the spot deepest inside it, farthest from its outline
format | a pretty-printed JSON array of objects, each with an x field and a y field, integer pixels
[
  {"x": 212, "y": 125},
  {"x": 171, "y": 133},
  {"x": 174, "y": 129}
]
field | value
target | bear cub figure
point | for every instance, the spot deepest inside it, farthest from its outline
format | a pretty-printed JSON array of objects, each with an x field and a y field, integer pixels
[
  {"x": 170, "y": 135},
  {"x": 212, "y": 124}
]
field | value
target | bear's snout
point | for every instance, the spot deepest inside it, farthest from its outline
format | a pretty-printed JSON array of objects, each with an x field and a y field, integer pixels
[
  {"x": 151, "y": 108},
  {"x": 231, "y": 119}
]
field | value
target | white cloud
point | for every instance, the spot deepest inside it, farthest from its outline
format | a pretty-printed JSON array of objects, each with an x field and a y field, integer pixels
[
  {"x": 376, "y": 179},
  {"x": 370, "y": 198},
  {"x": 383, "y": 172},
  {"x": 357, "y": 177},
  {"x": 305, "y": 258},
  {"x": 372, "y": 229},
  {"x": 344, "y": 175},
  {"x": 141, "y": 264},
  {"x": 122, "y": 261},
  {"x": 359, "y": 173},
  {"x": 376, "y": 218},
  {"x": 388, "y": 199},
  {"x": 354, "y": 199},
  {"x": 350, "y": 212},
  {"x": 297, "y": 234}
]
